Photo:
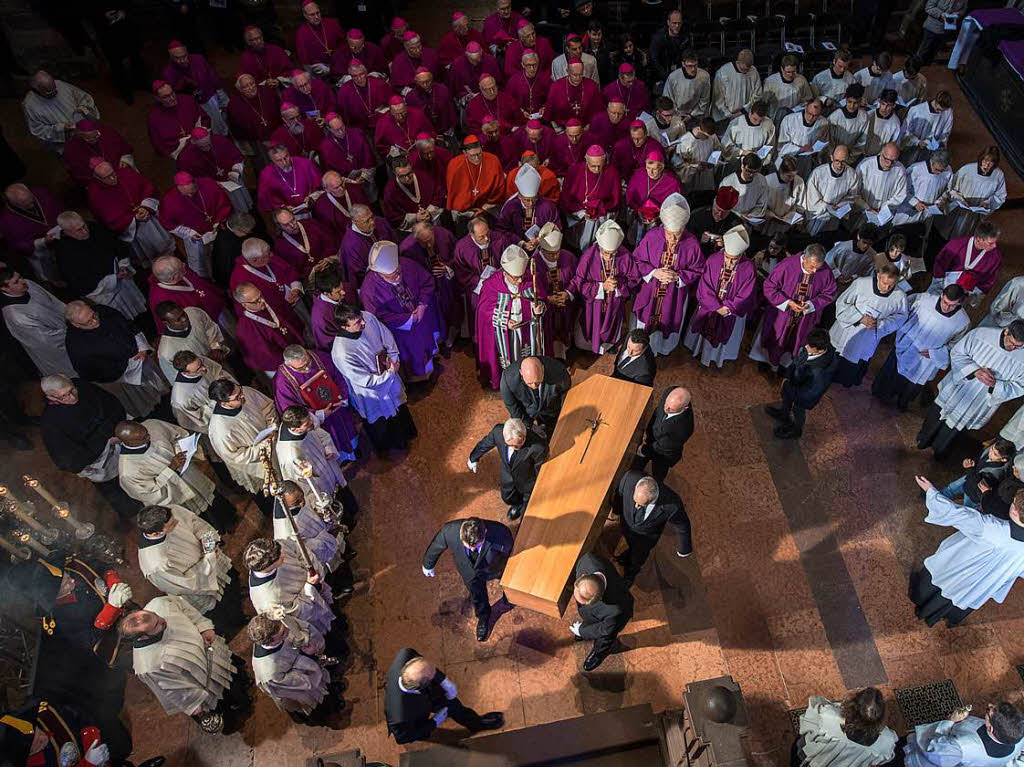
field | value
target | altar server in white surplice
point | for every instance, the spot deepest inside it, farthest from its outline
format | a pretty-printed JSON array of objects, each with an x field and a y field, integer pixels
[
  {"x": 190, "y": 391},
  {"x": 189, "y": 329},
  {"x": 927, "y": 182},
  {"x": 867, "y": 311},
  {"x": 830, "y": 186},
  {"x": 979, "y": 562},
  {"x": 884, "y": 125},
  {"x": 324, "y": 541},
  {"x": 750, "y": 132},
  {"x": 1007, "y": 306},
  {"x": 980, "y": 184},
  {"x": 986, "y": 370},
  {"x": 736, "y": 86},
  {"x": 799, "y": 131},
  {"x": 180, "y": 554},
  {"x": 240, "y": 416},
  {"x": 934, "y": 325},
  {"x": 876, "y": 77},
  {"x": 753, "y": 189},
  {"x": 883, "y": 182},
  {"x": 848, "y": 125},
  {"x": 288, "y": 665},
  {"x": 36, "y": 319},
  {"x": 301, "y": 440},
  {"x": 180, "y": 658},
  {"x": 280, "y": 584},
  {"x": 787, "y": 89},
  {"x": 927, "y": 126},
  {"x": 830, "y": 84}
]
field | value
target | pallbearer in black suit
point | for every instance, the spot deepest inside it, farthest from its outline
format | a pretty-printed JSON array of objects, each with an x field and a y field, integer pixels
[
  {"x": 521, "y": 453},
  {"x": 419, "y": 697},
  {"x": 534, "y": 390},
  {"x": 670, "y": 426},
  {"x": 636, "y": 362},
  {"x": 645, "y": 506},
  {"x": 480, "y": 550},
  {"x": 604, "y": 604}
]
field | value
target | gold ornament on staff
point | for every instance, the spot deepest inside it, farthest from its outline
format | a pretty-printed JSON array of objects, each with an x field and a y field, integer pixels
[
  {"x": 82, "y": 530},
  {"x": 329, "y": 508},
  {"x": 9, "y": 503},
  {"x": 16, "y": 552}
]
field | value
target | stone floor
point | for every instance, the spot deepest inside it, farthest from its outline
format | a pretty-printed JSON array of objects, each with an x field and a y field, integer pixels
[{"x": 797, "y": 586}]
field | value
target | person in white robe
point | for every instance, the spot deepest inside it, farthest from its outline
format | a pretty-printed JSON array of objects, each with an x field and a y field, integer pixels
[
  {"x": 179, "y": 657},
  {"x": 979, "y": 562},
  {"x": 852, "y": 259},
  {"x": 883, "y": 185},
  {"x": 181, "y": 555},
  {"x": 307, "y": 454},
  {"x": 691, "y": 157},
  {"x": 1007, "y": 306},
  {"x": 35, "y": 318},
  {"x": 980, "y": 185},
  {"x": 95, "y": 338},
  {"x": 876, "y": 77},
  {"x": 800, "y": 132},
  {"x": 848, "y": 125},
  {"x": 281, "y": 585},
  {"x": 324, "y": 540},
  {"x": 737, "y": 85},
  {"x": 832, "y": 188},
  {"x": 243, "y": 419},
  {"x": 785, "y": 206},
  {"x": 866, "y": 312},
  {"x": 911, "y": 86},
  {"x": 751, "y": 132},
  {"x": 151, "y": 466},
  {"x": 786, "y": 90},
  {"x": 117, "y": 288},
  {"x": 830, "y": 84},
  {"x": 750, "y": 183},
  {"x": 288, "y": 665},
  {"x": 934, "y": 326},
  {"x": 884, "y": 125},
  {"x": 190, "y": 393},
  {"x": 52, "y": 107},
  {"x": 560, "y": 65},
  {"x": 986, "y": 370},
  {"x": 962, "y": 739},
  {"x": 689, "y": 87},
  {"x": 850, "y": 733},
  {"x": 927, "y": 183},
  {"x": 188, "y": 329},
  {"x": 927, "y": 126},
  {"x": 365, "y": 353}
]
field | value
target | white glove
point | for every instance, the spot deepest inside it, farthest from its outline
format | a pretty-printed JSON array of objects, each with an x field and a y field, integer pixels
[
  {"x": 440, "y": 716},
  {"x": 119, "y": 595},
  {"x": 450, "y": 691},
  {"x": 319, "y": 68},
  {"x": 98, "y": 753},
  {"x": 429, "y": 573},
  {"x": 472, "y": 465},
  {"x": 575, "y": 627}
]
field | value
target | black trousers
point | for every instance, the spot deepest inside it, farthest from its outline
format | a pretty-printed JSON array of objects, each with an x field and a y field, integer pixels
[
  {"x": 221, "y": 514},
  {"x": 228, "y": 614},
  {"x": 515, "y": 497},
  {"x": 851, "y": 373},
  {"x": 478, "y": 594},
  {"x": 125, "y": 506},
  {"x": 463, "y": 714},
  {"x": 891, "y": 387},
  {"x": 934, "y": 432},
  {"x": 796, "y": 412},
  {"x": 660, "y": 464},
  {"x": 640, "y": 548},
  {"x": 392, "y": 433}
]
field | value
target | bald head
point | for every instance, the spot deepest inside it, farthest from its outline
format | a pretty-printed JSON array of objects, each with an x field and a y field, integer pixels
[
  {"x": 532, "y": 371},
  {"x": 168, "y": 269},
  {"x": 588, "y": 589},
  {"x": 19, "y": 195},
  {"x": 677, "y": 400},
  {"x": 417, "y": 673},
  {"x": 131, "y": 434},
  {"x": 44, "y": 84},
  {"x": 840, "y": 154}
]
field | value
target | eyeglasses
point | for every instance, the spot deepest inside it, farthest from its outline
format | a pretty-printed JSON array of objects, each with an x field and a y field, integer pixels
[{"x": 69, "y": 394}]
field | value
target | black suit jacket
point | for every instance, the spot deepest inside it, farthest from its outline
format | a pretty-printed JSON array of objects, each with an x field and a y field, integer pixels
[
  {"x": 640, "y": 371},
  {"x": 535, "y": 406},
  {"x": 810, "y": 380},
  {"x": 409, "y": 715},
  {"x": 666, "y": 436},
  {"x": 607, "y": 616},
  {"x": 521, "y": 474},
  {"x": 668, "y": 510},
  {"x": 490, "y": 560}
]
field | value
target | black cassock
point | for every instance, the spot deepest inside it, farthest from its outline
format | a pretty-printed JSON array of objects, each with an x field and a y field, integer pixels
[
  {"x": 83, "y": 263},
  {"x": 102, "y": 354},
  {"x": 76, "y": 435}
]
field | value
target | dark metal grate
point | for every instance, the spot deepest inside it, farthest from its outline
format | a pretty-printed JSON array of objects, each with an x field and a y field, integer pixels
[
  {"x": 927, "y": 702},
  {"x": 794, "y": 719}
]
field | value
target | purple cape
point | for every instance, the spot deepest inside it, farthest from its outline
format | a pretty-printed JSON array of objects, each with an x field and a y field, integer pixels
[
  {"x": 688, "y": 263},
  {"x": 346, "y": 154},
  {"x": 560, "y": 318},
  {"x": 489, "y": 326},
  {"x": 564, "y": 155},
  {"x": 196, "y": 78},
  {"x": 254, "y": 119},
  {"x": 512, "y": 218},
  {"x": 359, "y": 105},
  {"x": 606, "y": 134},
  {"x": 782, "y": 285},
  {"x": 464, "y": 76},
  {"x": 168, "y": 126},
  {"x": 418, "y": 344},
  {"x": 514, "y": 56},
  {"x": 22, "y": 228},
  {"x": 270, "y": 63},
  {"x": 953, "y": 257},
  {"x": 339, "y": 424},
  {"x": 111, "y": 146},
  {"x": 273, "y": 291},
  {"x": 566, "y": 101},
  {"x": 582, "y": 190},
  {"x": 395, "y": 203},
  {"x": 280, "y": 189},
  {"x": 216, "y": 163},
  {"x": 641, "y": 188},
  {"x": 436, "y": 105},
  {"x": 318, "y": 103},
  {"x": 316, "y": 45},
  {"x": 403, "y": 68},
  {"x": 209, "y": 205},
  {"x": 338, "y": 221},
  {"x": 321, "y": 323},
  {"x": 528, "y": 96},
  {"x": 262, "y": 346},
  {"x": 303, "y": 144},
  {"x": 448, "y": 302},
  {"x": 371, "y": 55},
  {"x": 204, "y": 295},
  {"x": 389, "y": 133},
  {"x": 355, "y": 249},
  {"x": 740, "y": 296},
  {"x": 602, "y": 321},
  {"x": 322, "y": 244},
  {"x": 627, "y": 157},
  {"x": 477, "y": 108},
  {"x": 635, "y": 98},
  {"x": 542, "y": 147}
]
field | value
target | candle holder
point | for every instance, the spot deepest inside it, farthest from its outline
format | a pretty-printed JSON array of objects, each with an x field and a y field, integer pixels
[
  {"x": 10, "y": 505},
  {"x": 25, "y": 537},
  {"x": 82, "y": 530},
  {"x": 16, "y": 551}
]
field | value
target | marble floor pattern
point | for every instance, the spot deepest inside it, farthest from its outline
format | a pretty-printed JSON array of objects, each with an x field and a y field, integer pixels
[{"x": 797, "y": 586}]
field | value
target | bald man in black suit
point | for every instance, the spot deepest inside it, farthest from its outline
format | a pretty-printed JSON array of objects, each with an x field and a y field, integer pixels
[{"x": 604, "y": 604}]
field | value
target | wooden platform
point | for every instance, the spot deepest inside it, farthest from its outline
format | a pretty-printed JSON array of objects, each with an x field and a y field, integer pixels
[{"x": 568, "y": 506}]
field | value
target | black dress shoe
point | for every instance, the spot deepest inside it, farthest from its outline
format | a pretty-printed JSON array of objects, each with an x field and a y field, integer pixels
[
  {"x": 483, "y": 628},
  {"x": 492, "y": 720},
  {"x": 787, "y": 431},
  {"x": 156, "y": 761},
  {"x": 776, "y": 412},
  {"x": 514, "y": 512},
  {"x": 593, "y": 661}
]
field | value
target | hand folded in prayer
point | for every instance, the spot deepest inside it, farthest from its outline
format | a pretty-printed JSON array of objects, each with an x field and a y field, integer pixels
[
  {"x": 665, "y": 275},
  {"x": 868, "y": 321},
  {"x": 925, "y": 353},
  {"x": 609, "y": 285},
  {"x": 538, "y": 308},
  {"x": 794, "y": 307},
  {"x": 312, "y": 579},
  {"x": 723, "y": 310}
]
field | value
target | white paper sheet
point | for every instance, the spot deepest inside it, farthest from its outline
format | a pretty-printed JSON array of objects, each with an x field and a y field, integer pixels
[
  {"x": 881, "y": 218},
  {"x": 188, "y": 445},
  {"x": 133, "y": 373},
  {"x": 715, "y": 157},
  {"x": 764, "y": 151},
  {"x": 840, "y": 212}
]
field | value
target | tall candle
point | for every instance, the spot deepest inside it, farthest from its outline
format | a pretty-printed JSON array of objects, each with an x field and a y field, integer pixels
[
  {"x": 16, "y": 551},
  {"x": 12, "y": 506},
  {"x": 36, "y": 485},
  {"x": 33, "y": 544}
]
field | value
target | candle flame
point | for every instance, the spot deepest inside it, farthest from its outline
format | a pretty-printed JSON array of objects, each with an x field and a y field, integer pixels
[{"x": 30, "y": 481}]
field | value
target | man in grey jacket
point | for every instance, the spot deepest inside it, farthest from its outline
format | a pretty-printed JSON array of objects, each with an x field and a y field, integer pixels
[{"x": 942, "y": 17}]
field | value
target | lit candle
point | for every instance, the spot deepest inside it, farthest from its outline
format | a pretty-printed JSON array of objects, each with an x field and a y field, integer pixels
[
  {"x": 16, "y": 551},
  {"x": 33, "y": 544},
  {"x": 36, "y": 485},
  {"x": 12, "y": 506}
]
